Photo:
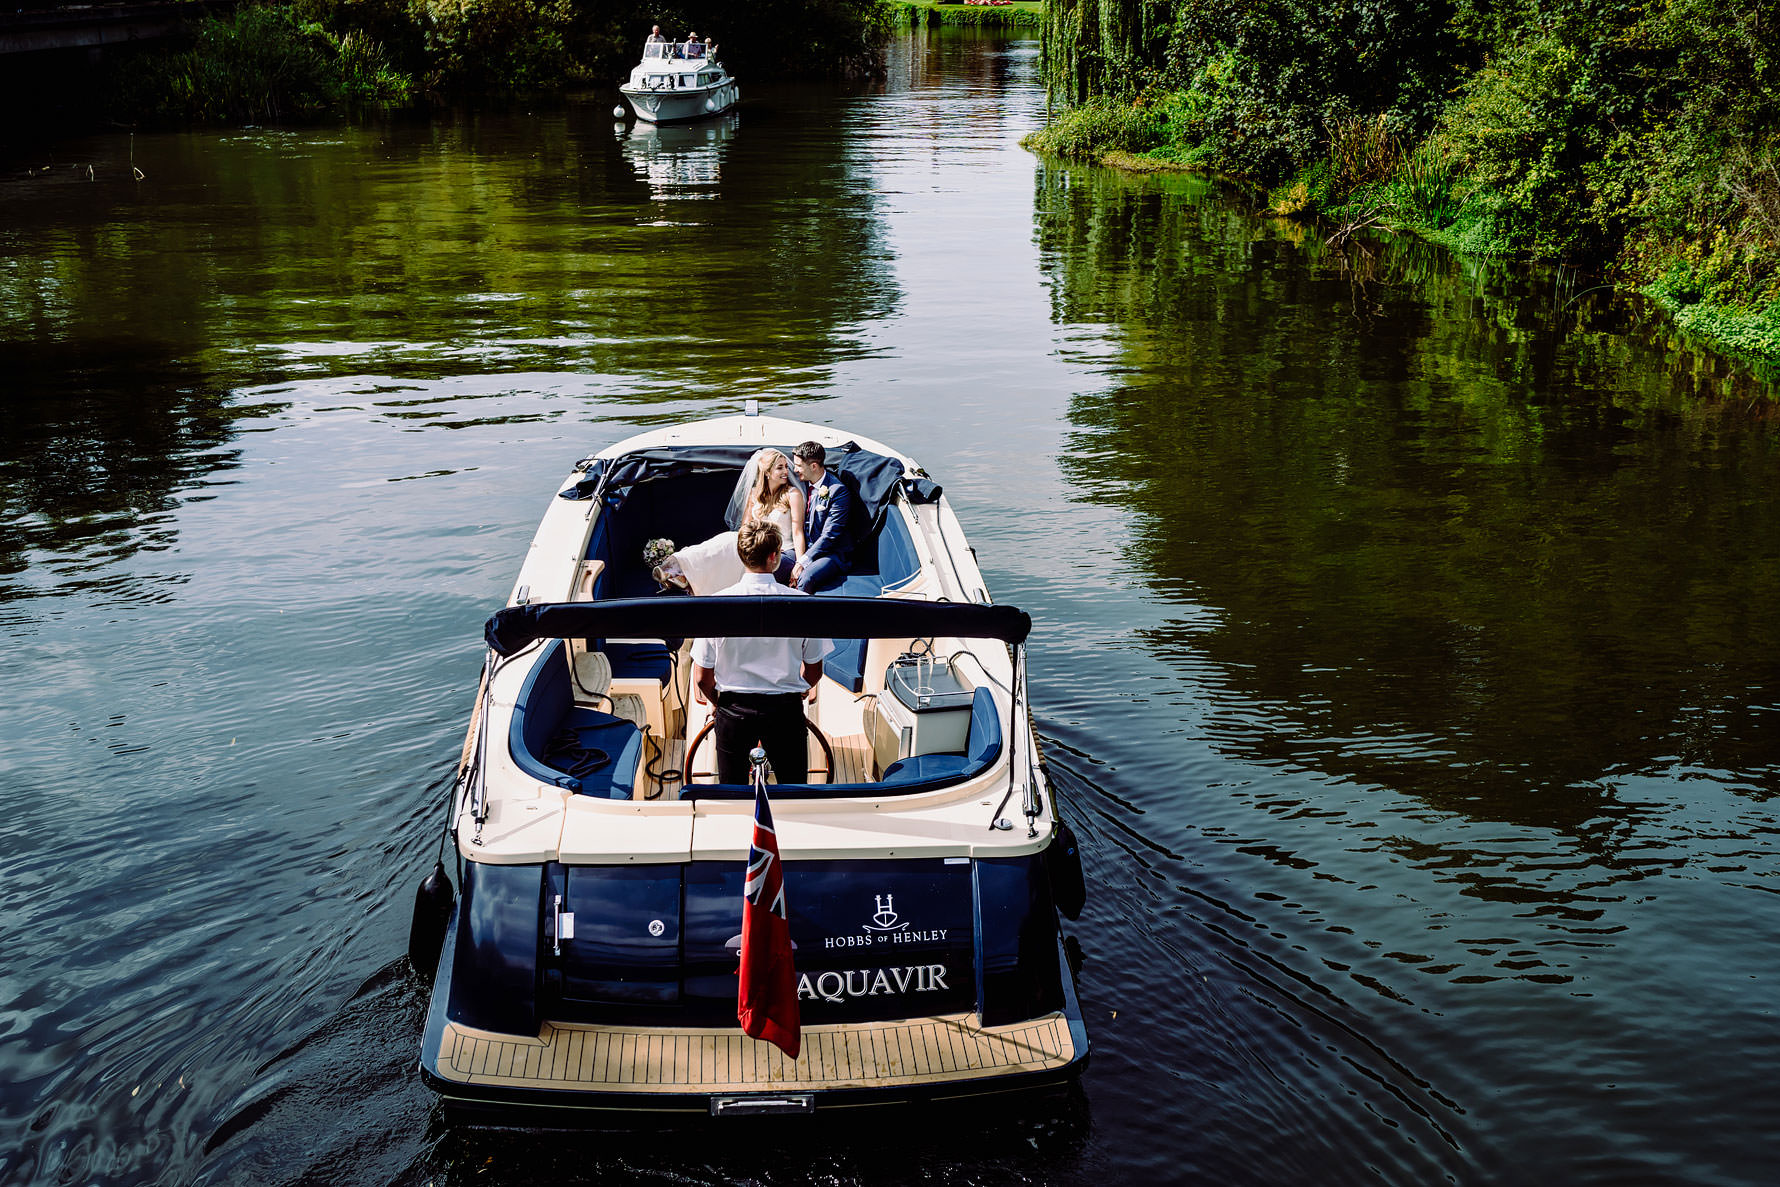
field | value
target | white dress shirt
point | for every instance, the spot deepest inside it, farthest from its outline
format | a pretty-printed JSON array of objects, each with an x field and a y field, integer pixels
[{"x": 747, "y": 664}]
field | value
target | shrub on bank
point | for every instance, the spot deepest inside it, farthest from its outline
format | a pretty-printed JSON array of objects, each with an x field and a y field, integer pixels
[
  {"x": 915, "y": 13},
  {"x": 1643, "y": 140},
  {"x": 254, "y": 64},
  {"x": 1096, "y": 128}
]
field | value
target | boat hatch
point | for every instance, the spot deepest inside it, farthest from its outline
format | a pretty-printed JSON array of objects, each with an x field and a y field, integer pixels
[{"x": 612, "y": 935}]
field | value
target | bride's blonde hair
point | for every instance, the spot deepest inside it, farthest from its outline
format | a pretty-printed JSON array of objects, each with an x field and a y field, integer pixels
[{"x": 765, "y": 461}]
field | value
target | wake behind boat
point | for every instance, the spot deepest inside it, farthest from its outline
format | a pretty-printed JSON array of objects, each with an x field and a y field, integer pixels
[
  {"x": 589, "y": 961},
  {"x": 679, "y": 81}
]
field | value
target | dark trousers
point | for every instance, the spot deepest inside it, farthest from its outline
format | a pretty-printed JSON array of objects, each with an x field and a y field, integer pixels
[
  {"x": 773, "y": 720},
  {"x": 821, "y": 573}
]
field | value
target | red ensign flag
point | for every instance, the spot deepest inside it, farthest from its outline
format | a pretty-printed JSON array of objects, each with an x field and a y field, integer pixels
[{"x": 766, "y": 998}]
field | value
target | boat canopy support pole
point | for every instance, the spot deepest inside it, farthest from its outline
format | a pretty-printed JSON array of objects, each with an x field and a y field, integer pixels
[
  {"x": 1030, "y": 805},
  {"x": 472, "y": 783}
]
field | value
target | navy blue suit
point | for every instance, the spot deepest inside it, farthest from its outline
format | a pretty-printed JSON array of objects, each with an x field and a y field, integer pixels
[{"x": 828, "y": 537}]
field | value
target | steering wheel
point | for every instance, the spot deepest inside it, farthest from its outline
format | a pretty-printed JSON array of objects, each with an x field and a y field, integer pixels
[{"x": 827, "y": 772}]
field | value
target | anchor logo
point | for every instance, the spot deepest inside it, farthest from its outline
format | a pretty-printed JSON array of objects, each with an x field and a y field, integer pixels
[{"x": 885, "y": 918}]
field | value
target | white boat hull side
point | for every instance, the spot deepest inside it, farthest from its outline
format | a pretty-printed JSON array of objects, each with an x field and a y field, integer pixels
[{"x": 667, "y": 107}]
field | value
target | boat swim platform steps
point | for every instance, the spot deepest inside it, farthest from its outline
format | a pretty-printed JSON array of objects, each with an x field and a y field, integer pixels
[{"x": 951, "y": 1051}]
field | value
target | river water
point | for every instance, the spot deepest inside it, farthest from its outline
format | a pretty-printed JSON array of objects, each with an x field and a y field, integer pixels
[{"x": 1407, "y": 648}]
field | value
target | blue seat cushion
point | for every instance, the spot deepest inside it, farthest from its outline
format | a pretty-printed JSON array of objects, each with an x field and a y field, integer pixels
[
  {"x": 640, "y": 661},
  {"x": 917, "y": 767},
  {"x": 578, "y": 744},
  {"x": 984, "y": 742},
  {"x": 889, "y": 558},
  {"x": 982, "y": 746},
  {"x": 551, "y": 737}
]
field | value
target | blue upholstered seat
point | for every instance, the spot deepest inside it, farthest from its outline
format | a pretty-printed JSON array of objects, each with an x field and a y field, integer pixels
[
  {"x": 886, "y": 560},
  {"x": 981, "y": 747},
  {"x": 546, "y": 720},
  {"x": 640, "y": 661}
]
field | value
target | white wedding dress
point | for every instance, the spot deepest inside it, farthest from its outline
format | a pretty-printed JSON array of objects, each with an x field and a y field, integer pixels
[{"x": 711, "y": 565}]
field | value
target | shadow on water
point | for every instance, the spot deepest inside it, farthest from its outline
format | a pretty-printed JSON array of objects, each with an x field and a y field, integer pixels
[{"x": 101, "y": 436}]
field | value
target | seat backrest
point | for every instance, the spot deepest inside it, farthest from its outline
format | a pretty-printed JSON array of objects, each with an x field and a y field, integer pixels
[
  {"x": 984, "y": 741},
  {"x": 544, "y": 701},
  {"x": 546, "y": 705}
]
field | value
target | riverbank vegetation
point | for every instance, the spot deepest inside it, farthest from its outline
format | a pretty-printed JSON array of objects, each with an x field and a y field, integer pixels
[
  {"x": 1022, "y": 14},
  {"x": 292, "y": 59},
  {"x": 1641, "y": 140}
]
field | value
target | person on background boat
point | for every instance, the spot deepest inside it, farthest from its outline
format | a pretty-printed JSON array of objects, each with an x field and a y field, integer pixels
[
  {"x": 694, "y": 47},
  {"x": 757, "y": 687},
  {"x": 655, "y": 35},
  {"x": 765, "y": 494},
  {"x": 827, "y": 557},
  {"x": 710, "y": 50}
]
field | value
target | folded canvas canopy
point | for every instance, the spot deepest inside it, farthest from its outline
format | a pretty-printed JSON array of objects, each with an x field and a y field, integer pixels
[
  {"x": 767, "y": 616},
  {"x": 871, "y": 477}
]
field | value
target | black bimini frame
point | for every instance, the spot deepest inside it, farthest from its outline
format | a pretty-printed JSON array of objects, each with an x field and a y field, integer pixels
[{"x": 517, "y": 627}]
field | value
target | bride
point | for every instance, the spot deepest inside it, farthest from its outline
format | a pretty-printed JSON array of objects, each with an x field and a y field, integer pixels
[{"x": 764, "y": 493}]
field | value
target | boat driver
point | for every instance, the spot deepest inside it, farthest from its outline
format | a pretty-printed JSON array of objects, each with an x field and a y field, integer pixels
[
  {"x": 694, "y": 47},
  {"x": 757, "y": 687}
]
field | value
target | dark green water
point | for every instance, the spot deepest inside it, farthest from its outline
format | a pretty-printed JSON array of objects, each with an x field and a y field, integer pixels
[{"x": 1408, "y": 645}]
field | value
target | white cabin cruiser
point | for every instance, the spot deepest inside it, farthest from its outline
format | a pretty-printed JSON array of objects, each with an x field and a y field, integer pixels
[
  {"x": 587, "y": 960},
  {"x": 671, "y": 85}
]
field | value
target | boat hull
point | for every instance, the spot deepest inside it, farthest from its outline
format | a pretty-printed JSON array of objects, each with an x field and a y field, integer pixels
[{"x": 680, "y": 106}]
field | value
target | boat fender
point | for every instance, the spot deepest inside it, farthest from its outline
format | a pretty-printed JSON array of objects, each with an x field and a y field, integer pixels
[
  {"x": 432, "y": 912},
  {"x": 1072, "y": 953},
  {"x": 1063, "y": 861}
]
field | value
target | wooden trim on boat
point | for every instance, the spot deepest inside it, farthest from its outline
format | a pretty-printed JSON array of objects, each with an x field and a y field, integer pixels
[
  {"x": 689, "y": 1060},
  {"x": 463, "y": 760}
]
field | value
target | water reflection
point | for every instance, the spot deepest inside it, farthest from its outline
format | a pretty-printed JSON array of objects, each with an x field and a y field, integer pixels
[
  {"x": 1402, "y": 631},
  {"x": 680, "y": 161},
  {"x": 103, "y": 439},
  {"x": 404, "y": 255},
  {"x": 1441, "y": 533}
]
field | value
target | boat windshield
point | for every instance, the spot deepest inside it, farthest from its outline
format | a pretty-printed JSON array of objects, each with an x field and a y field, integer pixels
[{"x": 673, "y": 49}]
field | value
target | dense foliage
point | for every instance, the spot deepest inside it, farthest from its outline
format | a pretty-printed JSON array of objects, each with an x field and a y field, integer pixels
[
  {"x": 291, "y": 58},
  {"x": 1639, "y": 137}
]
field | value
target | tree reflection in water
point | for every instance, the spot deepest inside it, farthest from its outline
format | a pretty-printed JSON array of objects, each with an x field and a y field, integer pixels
[{"x": 1462, "y": 534}]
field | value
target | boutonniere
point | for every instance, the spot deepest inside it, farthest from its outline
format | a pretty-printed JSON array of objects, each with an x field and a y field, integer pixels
[{"x": 822, "y": 497}]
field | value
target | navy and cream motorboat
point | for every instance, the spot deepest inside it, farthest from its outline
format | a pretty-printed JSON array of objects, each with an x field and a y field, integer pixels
[
  {"x": 667, "y": 86},
  {"x": 588, "y": 957}
]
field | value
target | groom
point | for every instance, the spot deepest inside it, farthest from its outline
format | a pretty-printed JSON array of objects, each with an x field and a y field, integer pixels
[{"x": 828, "y": 540}]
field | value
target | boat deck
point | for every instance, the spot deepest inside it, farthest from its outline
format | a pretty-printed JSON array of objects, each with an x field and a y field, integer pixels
[{"x": 663, "y": 1060}]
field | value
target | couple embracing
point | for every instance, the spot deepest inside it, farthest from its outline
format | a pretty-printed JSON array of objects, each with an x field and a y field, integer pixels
[{"x": 816, "y": 531}]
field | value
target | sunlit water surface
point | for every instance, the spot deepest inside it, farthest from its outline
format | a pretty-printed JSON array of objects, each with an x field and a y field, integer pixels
[{"x": 1408, "y": 645}]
